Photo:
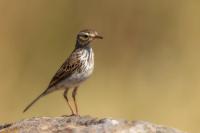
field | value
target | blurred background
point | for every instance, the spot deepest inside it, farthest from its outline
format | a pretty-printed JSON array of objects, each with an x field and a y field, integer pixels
[{"x": 147, "y": 66}]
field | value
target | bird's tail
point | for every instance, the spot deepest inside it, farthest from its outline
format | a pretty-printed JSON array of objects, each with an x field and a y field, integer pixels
[{"x": 35, "y": 100}]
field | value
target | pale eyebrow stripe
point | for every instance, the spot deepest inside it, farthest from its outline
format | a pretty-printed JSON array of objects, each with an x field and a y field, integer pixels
[{"x": 84, "y": 33}]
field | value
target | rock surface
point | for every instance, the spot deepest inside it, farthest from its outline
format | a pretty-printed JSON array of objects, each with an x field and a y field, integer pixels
[{"x": 86, "y": 124}]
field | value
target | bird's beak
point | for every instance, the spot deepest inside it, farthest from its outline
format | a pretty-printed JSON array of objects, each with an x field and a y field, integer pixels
[{"x": 97, "y": 36}]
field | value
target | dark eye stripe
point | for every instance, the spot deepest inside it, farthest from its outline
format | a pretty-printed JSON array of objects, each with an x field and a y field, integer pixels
[{"x": 86, "y": 36}]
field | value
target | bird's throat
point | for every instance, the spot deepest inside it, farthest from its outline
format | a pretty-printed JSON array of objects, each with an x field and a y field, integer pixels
[{"x": 82, "y": 45}]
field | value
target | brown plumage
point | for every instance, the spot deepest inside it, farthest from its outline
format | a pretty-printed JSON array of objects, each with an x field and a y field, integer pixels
[{"x": 76, "y": 69}]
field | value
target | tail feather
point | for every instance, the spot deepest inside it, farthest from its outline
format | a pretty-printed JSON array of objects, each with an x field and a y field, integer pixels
[{"x": 35, "y": 100}]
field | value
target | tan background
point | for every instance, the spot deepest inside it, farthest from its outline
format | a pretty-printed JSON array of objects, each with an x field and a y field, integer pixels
[{"x": 147, "y": 67}]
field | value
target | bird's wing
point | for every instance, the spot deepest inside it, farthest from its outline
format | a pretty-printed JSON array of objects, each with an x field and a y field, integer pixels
[{"x": 67, "y": 69}]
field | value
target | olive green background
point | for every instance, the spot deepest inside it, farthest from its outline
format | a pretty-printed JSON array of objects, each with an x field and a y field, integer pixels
[{"x": 146, "y": 67}]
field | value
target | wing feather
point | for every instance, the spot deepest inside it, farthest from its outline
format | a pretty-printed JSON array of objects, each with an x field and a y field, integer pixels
[{"x": 67, "y": 69}]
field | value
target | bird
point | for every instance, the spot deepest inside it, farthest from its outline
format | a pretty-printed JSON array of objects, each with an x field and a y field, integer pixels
[{"x": 77, "y": 68}]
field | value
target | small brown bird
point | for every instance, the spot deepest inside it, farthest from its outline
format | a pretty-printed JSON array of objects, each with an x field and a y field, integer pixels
[{"x": 77, "y": 68}]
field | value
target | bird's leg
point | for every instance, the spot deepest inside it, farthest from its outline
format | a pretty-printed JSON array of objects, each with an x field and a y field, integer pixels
[
  {"x": 74, "y": 98},
  {"x": 66, "y": 98}
]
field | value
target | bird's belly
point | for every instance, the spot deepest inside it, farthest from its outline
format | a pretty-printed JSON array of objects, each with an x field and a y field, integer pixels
[{"x": 76, "y": 79}]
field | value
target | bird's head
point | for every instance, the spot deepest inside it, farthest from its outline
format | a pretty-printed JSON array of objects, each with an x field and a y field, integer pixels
[{"x": 84, "y": 37}]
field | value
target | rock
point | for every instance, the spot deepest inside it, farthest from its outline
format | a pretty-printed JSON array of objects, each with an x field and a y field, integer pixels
[{"x": 86, "y": 124}]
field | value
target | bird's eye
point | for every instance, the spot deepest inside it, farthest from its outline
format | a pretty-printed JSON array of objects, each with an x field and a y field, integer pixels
[{"x": 85, "y": 36}]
